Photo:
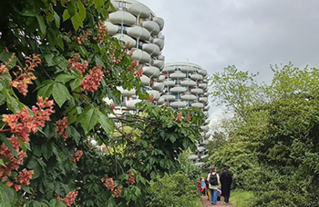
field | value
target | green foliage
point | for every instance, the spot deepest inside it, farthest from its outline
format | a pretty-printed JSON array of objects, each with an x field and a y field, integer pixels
[
  {"x": 290, "y": 152},
  {"x": 236, "y": 90},
  {"x": 59, "y": 31},
  {"x": 187, "y": 166},
  {"x": 196, "y": 202},
  {"x": 241, "y": 161},
  {"x": 219, "y": 139},
  {"x": 274, "y": 149},
  {"x": 172, "y": 190},
  {"x": 290, "y": 80},
  {"x": 240, "y": 198},
  {"x": 157, "y": 139},
  {"x": 4, "y": 199}
]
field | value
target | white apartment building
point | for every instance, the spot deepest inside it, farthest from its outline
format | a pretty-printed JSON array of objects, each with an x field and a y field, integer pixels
[
  {"x": 135, "y": 23},
  {"x": 176, "y": 85},
  {"x": 185, "y": 86}
]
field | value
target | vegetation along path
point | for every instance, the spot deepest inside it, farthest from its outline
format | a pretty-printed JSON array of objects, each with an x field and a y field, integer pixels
[{"x": 207, "y": 203}]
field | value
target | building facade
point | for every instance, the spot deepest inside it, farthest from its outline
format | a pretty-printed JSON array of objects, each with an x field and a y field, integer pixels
[
  {"x": 185, "y": 86},
  {"x": 136, "y": 24},
  {"x": 175, "y": 85}
]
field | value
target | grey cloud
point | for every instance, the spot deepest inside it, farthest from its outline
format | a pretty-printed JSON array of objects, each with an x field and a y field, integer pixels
[{"x": 249, "y": 34}]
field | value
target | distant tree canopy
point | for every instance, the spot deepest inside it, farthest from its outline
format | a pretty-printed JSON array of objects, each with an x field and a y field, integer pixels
[{"x": 272, "y": 146}]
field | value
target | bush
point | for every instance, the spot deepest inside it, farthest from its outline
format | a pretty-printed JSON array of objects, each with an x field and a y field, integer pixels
[
  {"x": 175, "y": 190},
  {"x": 187, "y": 166},
  {"x": 241, "y": 161}
]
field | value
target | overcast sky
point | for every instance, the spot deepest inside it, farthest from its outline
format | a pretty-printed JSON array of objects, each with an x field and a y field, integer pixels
[{"x": 250, "y": 34}]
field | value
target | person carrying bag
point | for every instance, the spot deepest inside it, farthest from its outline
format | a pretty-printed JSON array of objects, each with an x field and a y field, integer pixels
[{"x": 213, "y": 184}]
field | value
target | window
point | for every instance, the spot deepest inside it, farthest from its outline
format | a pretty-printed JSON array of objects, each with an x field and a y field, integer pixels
[
  {"x": 124, "y": 29},
  {"x": 141, "y": 20},
  {"x": 122, "y": 5},
  {"x": 123, "y": 101},
  {"x": 140, "y": 45},
  {"x": 119, "y": 29}
]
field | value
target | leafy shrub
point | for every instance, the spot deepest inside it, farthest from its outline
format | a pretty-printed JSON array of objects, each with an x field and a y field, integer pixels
[
  {"x": 289, "y": 154},
  {"x": 172, "y": 190},
  {"x": 241, "y": 162},
  {"x": 188, "y": 168},
  {"x": 277, "y": 189}
]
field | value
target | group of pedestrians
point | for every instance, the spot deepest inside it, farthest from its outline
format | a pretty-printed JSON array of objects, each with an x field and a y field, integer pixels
[{"x": 213, "y": 181}]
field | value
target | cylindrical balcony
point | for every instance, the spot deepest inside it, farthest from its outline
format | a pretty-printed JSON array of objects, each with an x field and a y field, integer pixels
[
  {"x": 159, "y": 64},
  {"x": 159, "y": 21},
  {"x": 202, "y": 85},
  {"x": 178, "y": 89},
  {"x": 151, "y": 26},
  {"x": 151, "y": 72},
  {"x": 159, "y": 42},
  {"x": 125, "y": 38},
  {"x": 169, "y": 83},
  {"x": 196, "y": 76},
  {"x": 203, "y": 99},
  {"x": 131, "y": 103},
  {"x": 188, "y": 82},
  {"x": 141, "y": 56},
  {"x": 178, "y": 104},
  {"x": 161, "y": 78},
  {"x": 197, "y": 105},
  {"x": 146, "y": 80},
  {"x": 188, "y": 97},
  {"x": 122, "y": 18},
  {"x": 177, "y": 75},
  {"x": 139, "y": 33},
  {"x": 139, "y": 10},
  {"x": 159, "y": 86},
  {"x": 169, "y": 97},
  {"x": 197, "y": 91},
  {"x": 154, "y": 93},
  {"x": 152, "y": 49}
]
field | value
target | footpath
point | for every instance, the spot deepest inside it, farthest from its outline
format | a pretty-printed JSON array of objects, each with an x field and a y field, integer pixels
[{"x": 207, "y": 203}]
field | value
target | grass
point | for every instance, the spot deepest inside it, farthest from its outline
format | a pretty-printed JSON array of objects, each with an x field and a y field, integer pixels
[
  {"x": 197, "y": 202},
  {"x": 240, "y": 198}
]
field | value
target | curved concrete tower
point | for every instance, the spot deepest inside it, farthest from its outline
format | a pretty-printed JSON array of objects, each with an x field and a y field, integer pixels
[
  {"x": 135, "y": 23},
  {"x": 186, "y": 86}
]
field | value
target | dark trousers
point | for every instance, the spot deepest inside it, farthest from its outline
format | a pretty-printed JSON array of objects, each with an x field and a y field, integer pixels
[{"x": 226, "y": 198}]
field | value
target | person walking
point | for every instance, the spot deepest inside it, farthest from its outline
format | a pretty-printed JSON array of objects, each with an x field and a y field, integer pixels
[
  {"x": 203, "y": 187},
  {"x": 207, "y": 188},
  {"x": 226, "y": 179},
  {"x": 213, "y": 179}
]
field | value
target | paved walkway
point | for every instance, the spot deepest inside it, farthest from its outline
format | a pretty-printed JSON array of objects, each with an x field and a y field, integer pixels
[{"x": 207, "y": 203}]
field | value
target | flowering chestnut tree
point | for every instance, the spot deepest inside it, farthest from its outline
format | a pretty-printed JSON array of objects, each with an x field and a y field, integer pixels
[{"x": 57, "y": 63}]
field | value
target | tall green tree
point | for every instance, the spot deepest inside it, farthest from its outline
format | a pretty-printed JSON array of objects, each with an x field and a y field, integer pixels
[
  {"x": 57, "y": 63},
  {"x": 235, "y": 90}
]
